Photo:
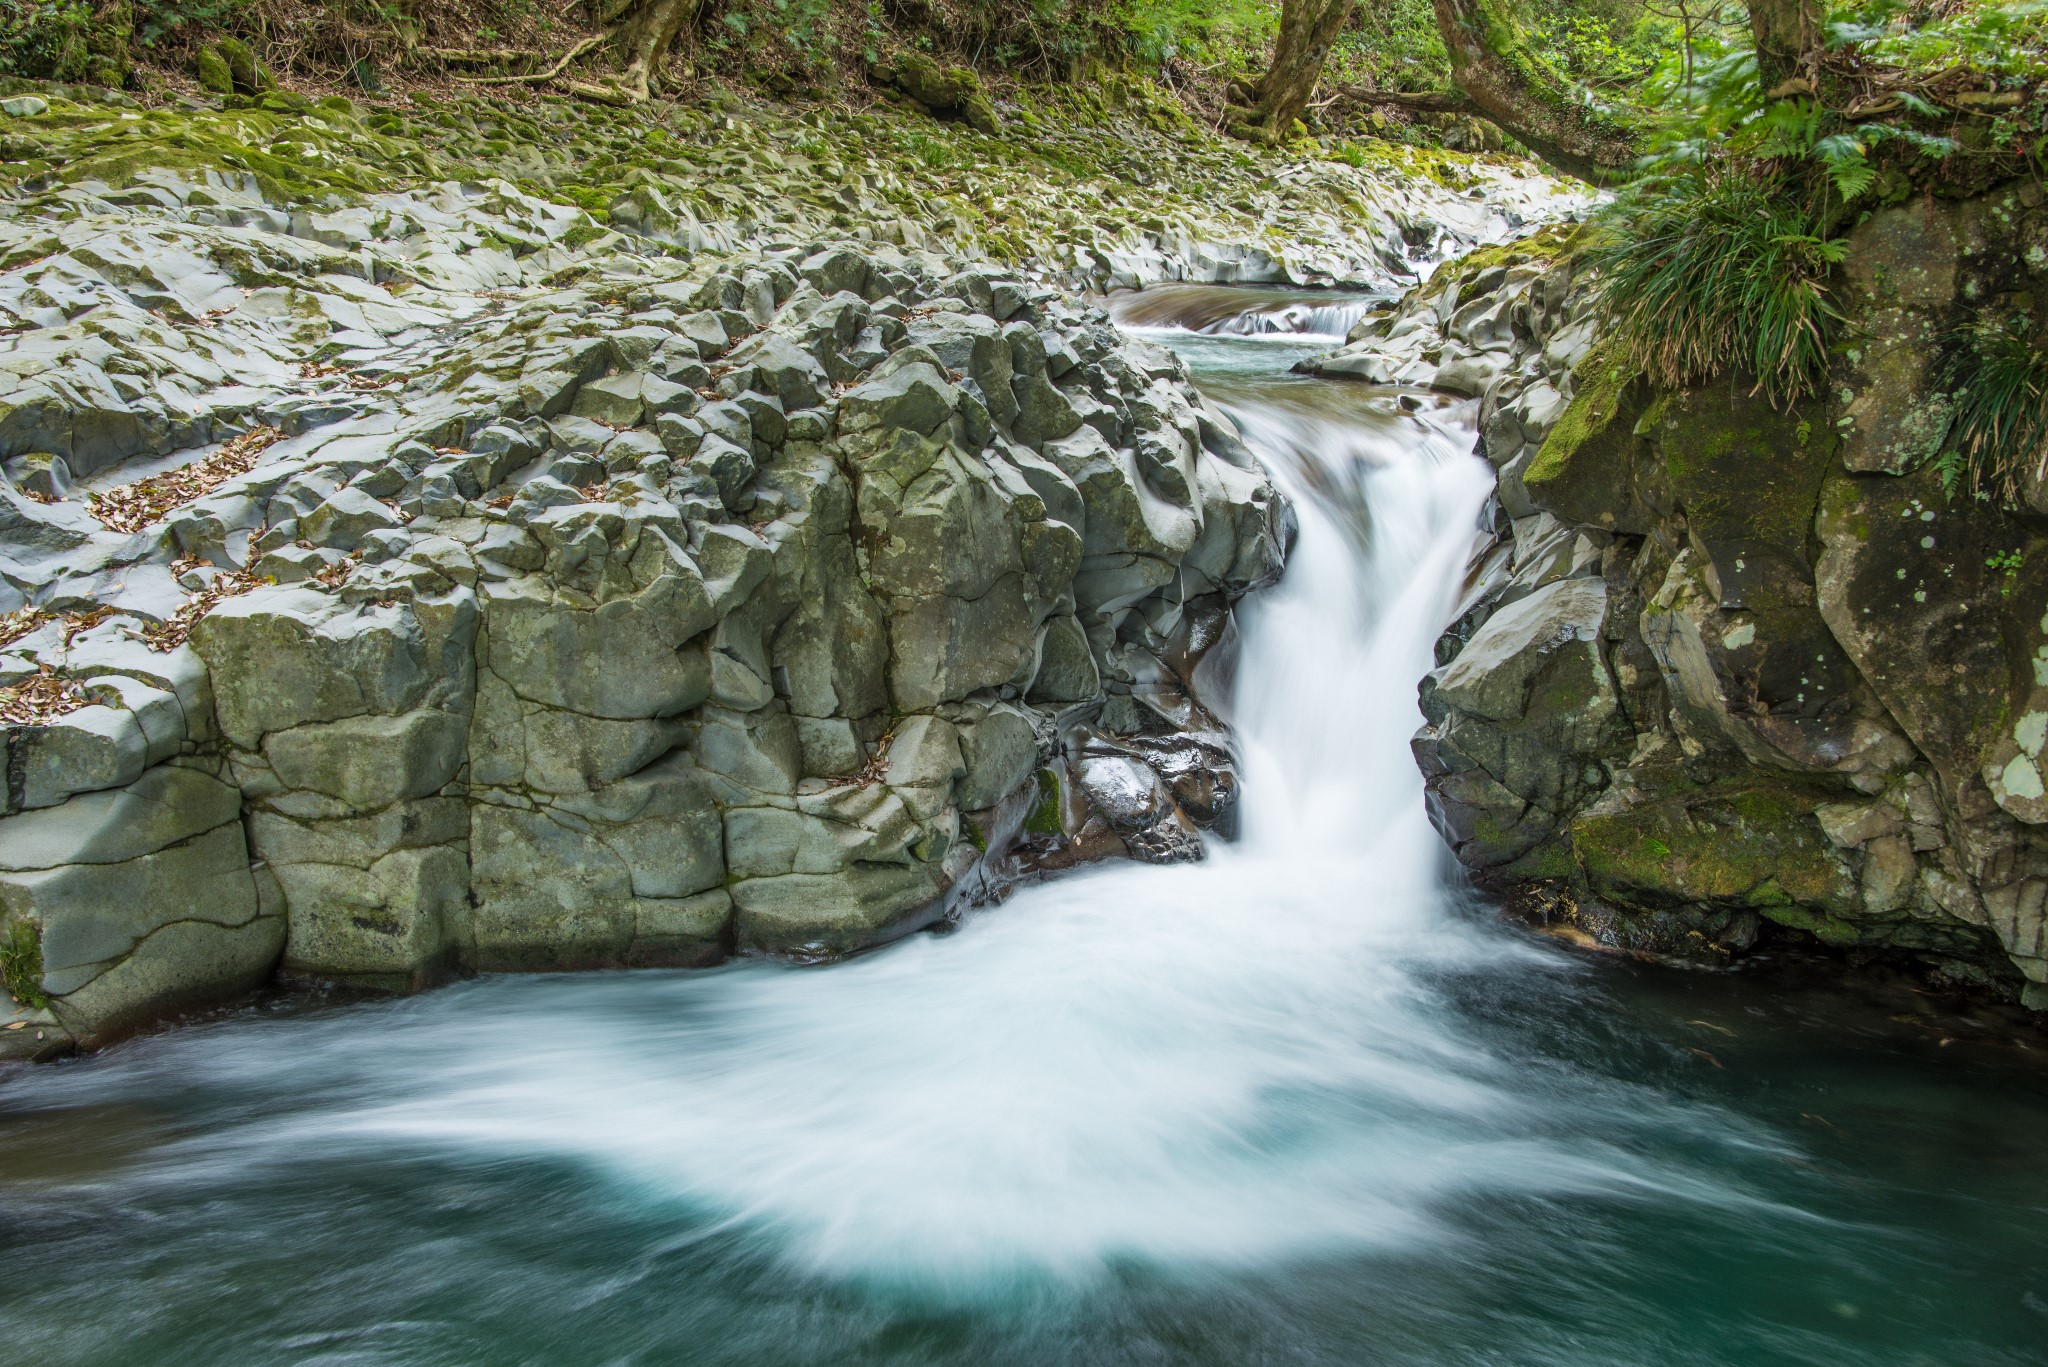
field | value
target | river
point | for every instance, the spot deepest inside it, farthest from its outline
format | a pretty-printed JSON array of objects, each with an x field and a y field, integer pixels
[{"x": 1306, "y": 1102}]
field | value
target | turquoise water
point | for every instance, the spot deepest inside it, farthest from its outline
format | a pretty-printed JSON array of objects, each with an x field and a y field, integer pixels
[{"x": 1304, "y": 1103}]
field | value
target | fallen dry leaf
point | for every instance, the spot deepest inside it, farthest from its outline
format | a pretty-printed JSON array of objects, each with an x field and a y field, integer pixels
[
  {"x": 41, "y": 698},
  {"x": 169, "y": 635},
  {"x": 132, "y": 507}
]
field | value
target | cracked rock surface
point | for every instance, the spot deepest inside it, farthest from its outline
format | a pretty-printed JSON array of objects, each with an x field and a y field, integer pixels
[{"x": 492, "y": 602}]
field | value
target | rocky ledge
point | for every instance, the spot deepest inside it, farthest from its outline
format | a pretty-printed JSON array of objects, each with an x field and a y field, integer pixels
[
  {"x": 1722, "y": 668},
  {"x": 418, "y": 586}
]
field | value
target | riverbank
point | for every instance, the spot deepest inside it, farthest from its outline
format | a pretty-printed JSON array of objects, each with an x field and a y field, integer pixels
[
  {"x": 476, "y": 534},
  {"x": 1097, "y": 191},
  {"x": 1298, "y": 1094}
]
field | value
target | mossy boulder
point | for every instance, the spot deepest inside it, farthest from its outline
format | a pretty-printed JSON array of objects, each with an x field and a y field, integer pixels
[
  {"x": 1746, "y": 844},
  {"x": 212, "y": 70},
  {"x": 947, "y": 92},
  {"x": 1744, "y": 651},
  {"x": 1944, "y": 609},
  {"x": 248, "y": 75}
]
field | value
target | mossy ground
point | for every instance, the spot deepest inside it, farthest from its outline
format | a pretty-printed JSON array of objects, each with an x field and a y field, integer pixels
[{"x": 1073, "y": 164}]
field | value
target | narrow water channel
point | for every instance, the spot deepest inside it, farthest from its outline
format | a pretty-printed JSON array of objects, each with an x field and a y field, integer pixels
[{"x": 1302, "y": 1103}]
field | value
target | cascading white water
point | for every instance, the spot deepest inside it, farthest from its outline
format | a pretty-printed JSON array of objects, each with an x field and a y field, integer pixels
[
  {"x": 1294, "y": 1104},
  {"x": 1243, "y": 311},
  {"x": 1234, "y": 1061}
]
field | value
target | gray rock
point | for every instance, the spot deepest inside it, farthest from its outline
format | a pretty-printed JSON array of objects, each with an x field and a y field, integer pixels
[
  {"x": 914, "y": 398},
  {"x": 347, "y": 516},
  {"x": 93, "y": 748}
]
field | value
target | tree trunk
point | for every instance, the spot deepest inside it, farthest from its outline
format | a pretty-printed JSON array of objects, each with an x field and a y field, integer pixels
[
  {"x": 1307, "y": 28},
  {"x": 1787, "y": 41},
  {"x": 1491, "y": 61},
  {"x": 644, "y": 33},
  {"x": 646, "y": 36}
]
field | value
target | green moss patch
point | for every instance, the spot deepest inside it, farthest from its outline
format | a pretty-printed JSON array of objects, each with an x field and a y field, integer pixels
[
  {"x": 1749, "y": 843},
  {"x": 1045, "y": 817}
]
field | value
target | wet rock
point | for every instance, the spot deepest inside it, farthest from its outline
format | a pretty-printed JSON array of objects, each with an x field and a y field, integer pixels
[{"x": 1812, "y": 696}]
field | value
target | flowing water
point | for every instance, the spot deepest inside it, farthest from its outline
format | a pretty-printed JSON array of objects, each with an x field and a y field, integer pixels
[
  {"x": 1302, "y": 1103},
  {"x": 1243, "y": 311}
]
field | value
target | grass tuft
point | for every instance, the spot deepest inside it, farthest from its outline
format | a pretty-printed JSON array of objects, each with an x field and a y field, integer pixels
[
  {"x": 1719, "y": 269},
  {"x": 1999, "y": 377},
  {"x": 21, "y": 965}
]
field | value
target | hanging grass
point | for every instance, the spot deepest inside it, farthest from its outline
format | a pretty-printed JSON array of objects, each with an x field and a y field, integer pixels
[
  {"x": 1998, "y": 375},
  {"x": 1719, "y": 269}
]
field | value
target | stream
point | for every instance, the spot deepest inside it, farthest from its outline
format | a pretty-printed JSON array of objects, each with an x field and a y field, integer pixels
[{"x": 1305, "y": 1102}]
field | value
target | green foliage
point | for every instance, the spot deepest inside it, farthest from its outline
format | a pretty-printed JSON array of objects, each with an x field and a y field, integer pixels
[
  {"x": 1721, "y": 256},
  {"x": 1998, "y": 375},
  {"x": 45, "y": 39},
  {"x": 1595, "y": 50},
  {"x": 21, "y": 964},
  {"x": 2006, "y": 39},
  {"x": 2009, "y": 564},
  {"x": 1951, "y": 466},
  {"x": 1393, "y": 45},
  {"x": 930, "y": 151},
  {"x": 1720, "y": 267},
  {"x": 1158, "y": 31},
  {"x": 156, "y": 20}
]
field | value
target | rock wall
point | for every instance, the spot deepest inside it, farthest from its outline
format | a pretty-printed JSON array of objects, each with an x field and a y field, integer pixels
[
  {"x": 1722, "y": 666},
  {"x": 557, "y": 606}
]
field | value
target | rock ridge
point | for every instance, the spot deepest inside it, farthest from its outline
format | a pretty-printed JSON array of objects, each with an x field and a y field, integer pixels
[{"x": 506, "y": 603}]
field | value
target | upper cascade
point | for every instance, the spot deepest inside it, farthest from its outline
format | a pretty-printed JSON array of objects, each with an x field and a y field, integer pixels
[{"x": 1221, "y": 311}]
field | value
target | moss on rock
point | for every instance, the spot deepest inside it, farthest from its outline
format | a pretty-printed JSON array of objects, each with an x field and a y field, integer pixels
[
  {"x": 1748, "y": 843},
  {"x": 212, "y": 70},
  {"x": 250, "y": 76},
  {"x": 1584, "y": 471}
]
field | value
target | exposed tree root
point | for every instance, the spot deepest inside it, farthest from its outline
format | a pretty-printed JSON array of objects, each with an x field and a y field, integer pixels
[
  {"x": 1422, "y": 102},
  {"x": 541, "y": 77},
  {"x": 476, "y": 56}
]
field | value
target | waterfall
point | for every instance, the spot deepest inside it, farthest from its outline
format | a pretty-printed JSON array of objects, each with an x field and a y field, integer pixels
[
  {"x": 1241, "y": 1060},
  {"x": 1235, "y": 311},
  {"x": 1303, "y": 1102}
]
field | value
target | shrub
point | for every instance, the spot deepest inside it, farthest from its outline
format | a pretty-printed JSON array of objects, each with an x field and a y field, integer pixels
[
  {"x": 1999, "y": 378},
  {"x": 45, "y": 39},
  {"x": 1718, "y": 268}
]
